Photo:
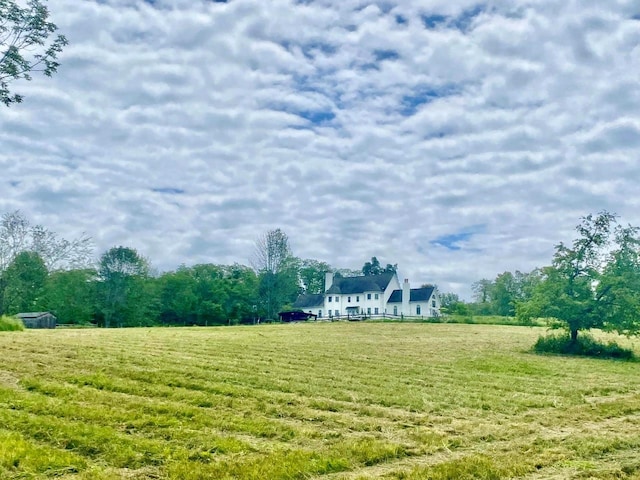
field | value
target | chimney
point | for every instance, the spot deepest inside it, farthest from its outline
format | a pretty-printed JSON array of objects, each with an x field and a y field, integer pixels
[
  {"x": 328, "y": 280},
  {"x": 406, "y": 296}
]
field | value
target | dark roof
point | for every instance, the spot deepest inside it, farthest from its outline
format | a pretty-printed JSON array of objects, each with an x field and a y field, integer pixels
[
  {"x": 416, "y": 295},
  {"x": 308, "y": 300},
  {"x": 361, "y": 284},
  {"x": 33, "y": 314}
]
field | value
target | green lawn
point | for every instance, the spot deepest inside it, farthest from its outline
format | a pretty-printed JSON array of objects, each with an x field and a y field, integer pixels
[{"x": 312, "y": 401}]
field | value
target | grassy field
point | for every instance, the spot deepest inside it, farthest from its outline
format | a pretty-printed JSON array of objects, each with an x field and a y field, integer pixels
[{"x": 316, "y": 401}]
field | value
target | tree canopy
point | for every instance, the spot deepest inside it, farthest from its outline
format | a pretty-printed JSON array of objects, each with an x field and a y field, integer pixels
[
  {"x": 592, "y": 283},
  {"x": 26, "y": 44},
  {"x": 374, "y": 268}
]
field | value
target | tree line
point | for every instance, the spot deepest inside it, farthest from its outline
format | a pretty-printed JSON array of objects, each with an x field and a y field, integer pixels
[
  {"x": 499, "y": 296},
  {"x": 39, "y": 271},
  {"x": 594, "y": 282}
]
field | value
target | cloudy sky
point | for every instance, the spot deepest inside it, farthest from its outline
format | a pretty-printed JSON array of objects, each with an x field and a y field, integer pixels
[{"x": 458, "y": 139}]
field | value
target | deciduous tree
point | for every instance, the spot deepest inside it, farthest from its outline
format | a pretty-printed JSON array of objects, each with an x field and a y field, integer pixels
[
  {"x": 121, "y": 272},
  {"x": 23, "y": 284},
  {"x": 18, "y": 235},
  {"x": 312, "y": 275},
  {"x": 27, "y": 44},
  {"x": 277, "y": 270},
  {"x": 592, "y": 283}
]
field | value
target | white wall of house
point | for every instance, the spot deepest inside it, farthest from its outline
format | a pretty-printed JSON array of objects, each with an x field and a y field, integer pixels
[
  {"x": 367, "y": 303},
  {"x": 394, "y": 284}
]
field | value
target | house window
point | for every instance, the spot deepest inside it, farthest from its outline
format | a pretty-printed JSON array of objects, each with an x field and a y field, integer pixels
[
  {"x": 330, "y": 299},
  {"x": 337, "y": 298},
  {"x": 433, "y": 303},
  {"x": 337, "y": 313},
  {"x": 368, "y": 296},
  {"x": 395, "y": 310},
  {"x": 357, "y": 298},
  {"x": 319, "y": 313},
  {"x": 349, "y": 299},
  {"x": 418, "y": 310},
  {"x": 376, "y": 310},
  {"x": 368, "y": 311},
  {"x": 376, "y": 296}
]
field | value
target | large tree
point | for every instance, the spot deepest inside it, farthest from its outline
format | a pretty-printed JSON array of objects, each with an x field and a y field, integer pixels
[
  {"x": 27, "y": 44},
  {"x": 70, "y": 295},
  {"x": 313, "y": 274},
  {"x": 592, "y": 283},
  {"x": 277, "y": 270},
  {"x": 23, "y": 284},
  {"x": 18, "y": 235},
  {"x": 121, "y": 296},
  {"x": 374, "y": 268}
]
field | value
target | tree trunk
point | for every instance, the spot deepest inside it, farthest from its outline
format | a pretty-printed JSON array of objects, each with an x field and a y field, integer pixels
[{"x": 574, "y": 335}]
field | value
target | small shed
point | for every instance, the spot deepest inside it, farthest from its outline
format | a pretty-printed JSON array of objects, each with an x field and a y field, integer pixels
[
  {"x": 296, "y": 316},
  {"x": 38, "y": 319}
]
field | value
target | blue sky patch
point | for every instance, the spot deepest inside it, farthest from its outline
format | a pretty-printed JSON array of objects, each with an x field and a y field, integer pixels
[
  {"x": 433, "y": 21},
  {"x": 310, "y": 50},
  {"x": 464, "y": 20},
  {"x": 317, "y": 117},
  {"x": 386, "y": 55},
  {"x": 423, "y": 95},
  {"x": 461, "y": 22},
  {"x": 452, "y": 241}
]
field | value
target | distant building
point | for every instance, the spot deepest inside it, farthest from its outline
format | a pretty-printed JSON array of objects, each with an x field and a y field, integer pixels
[
  {"x": 38, "y": 319},
  {"x": 370, "y": 295}
]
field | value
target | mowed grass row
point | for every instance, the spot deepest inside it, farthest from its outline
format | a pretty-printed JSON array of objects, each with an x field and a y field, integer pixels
[{"x": 326, "y": 400}]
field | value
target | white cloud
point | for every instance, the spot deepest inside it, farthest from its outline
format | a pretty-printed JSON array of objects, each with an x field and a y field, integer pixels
[{"x": 186, "y": 128}]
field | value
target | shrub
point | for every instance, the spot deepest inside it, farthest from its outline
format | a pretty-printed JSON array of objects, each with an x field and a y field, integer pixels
[
  {"x": 584, "y": 345},
  {"x": 9, "y": 324}
]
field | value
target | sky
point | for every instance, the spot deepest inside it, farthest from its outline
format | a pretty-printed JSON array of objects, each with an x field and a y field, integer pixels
[{"x": 455, "y": 138}]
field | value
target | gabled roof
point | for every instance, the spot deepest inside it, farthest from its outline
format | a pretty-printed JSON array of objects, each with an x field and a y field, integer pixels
[
  {"x": 361, "y": 284},
  {"x": 415, "y": 295},
  {"x": 309, "y": 300},
  {"x": 33, "y": 314}
]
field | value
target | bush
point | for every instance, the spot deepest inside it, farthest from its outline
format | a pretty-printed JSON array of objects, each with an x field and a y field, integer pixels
[
  {"x": 585, "y": 345},
  {"x": 10, "y": 324}
]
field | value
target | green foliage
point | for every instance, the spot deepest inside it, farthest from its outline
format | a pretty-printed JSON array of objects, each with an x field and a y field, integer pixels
[
  {"x": 585, "y": 345},
  {"x": 71, "y": 295},
  {"x": 594, "y": 283},
  {"x": 10, "y": 324},
  {"x": 278, "y": 273},
  {"x": 312, "y": 275},
  {"x": 25, "y": 46},
  {"x": 450, "y": 304},
  {"x": 23, "y": 284},
  {"x": 208, "y": 295},
  {"x": 121, "y": 289},
  {"x": 374, "y": 268},
  {"x": 502, "y": 295}
]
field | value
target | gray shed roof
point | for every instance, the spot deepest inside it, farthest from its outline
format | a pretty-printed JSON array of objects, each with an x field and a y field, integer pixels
[
  {"x": 34, "y": 314},
  {"x": 361, "y": 284}
]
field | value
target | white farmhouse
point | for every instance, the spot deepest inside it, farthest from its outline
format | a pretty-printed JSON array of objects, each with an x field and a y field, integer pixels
[{"x": 370, "y": 295}]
